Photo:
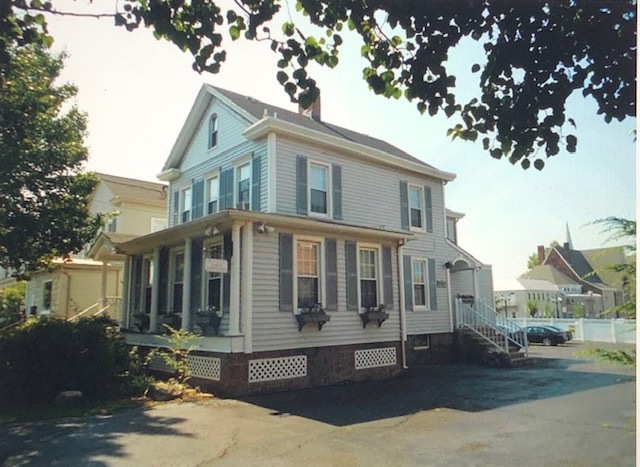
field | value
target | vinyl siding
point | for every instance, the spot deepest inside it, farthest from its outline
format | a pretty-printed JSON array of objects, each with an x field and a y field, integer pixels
[{"x": 274, "y": 329}]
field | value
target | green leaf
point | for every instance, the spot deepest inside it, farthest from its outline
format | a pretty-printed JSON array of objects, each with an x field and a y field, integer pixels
[
  {"x": 282, "y": 77},
  {"x": 475, "y": 68},
  {"x": 538, "y": 164},
  {"x": 234, "y": 32}
]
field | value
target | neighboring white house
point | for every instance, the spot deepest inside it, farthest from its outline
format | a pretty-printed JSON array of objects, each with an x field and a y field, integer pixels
[
  {"x": 76, "y": 283},
  {"x": 273, "y": 212}
]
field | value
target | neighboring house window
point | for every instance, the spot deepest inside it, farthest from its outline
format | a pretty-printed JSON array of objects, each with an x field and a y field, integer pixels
[
  {"x": 157, "y": 223},
  {"x": 451, "y": 230},
  {"x": 419, "y": 278},
  {"x": 46, "y": 295},
  {"x": 178, "y": 279},
  {"x": 318, "y": 189},
  {"x": 185, "y": 205},
  {"x": 415, "y": 207},
  {"x": 213, "y": 192},
  {"x": 214, "y": 282},
  {"x": 213, "y": 131},
  {"x": 368, "y": 277},
  {"x": 244, "y": 186},
  {"x": 112, "y": 224},
  {"x": 308, "y": 273}
]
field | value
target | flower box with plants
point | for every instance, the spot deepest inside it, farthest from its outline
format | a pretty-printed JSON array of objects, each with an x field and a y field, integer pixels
[
  {"x": 466, "y": 299},
  {"x": 141, "y": 321},
  {"x": 209, "y": 316},
  {"x": 314, "y": 314},
  {"x": 375, "y": 314}
]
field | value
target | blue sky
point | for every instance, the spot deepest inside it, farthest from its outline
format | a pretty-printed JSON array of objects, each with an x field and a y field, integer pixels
[{"x": 137, "y": 92}]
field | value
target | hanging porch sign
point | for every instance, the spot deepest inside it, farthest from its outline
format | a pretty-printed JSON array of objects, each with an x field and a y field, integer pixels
[{"x": 216, "y": 265}]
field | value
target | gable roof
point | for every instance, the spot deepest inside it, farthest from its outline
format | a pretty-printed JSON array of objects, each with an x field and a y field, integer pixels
[
  {"x": 577, "y": 261},
  {"x": 252, "y": 111},
  {"x": 131, "y": 189},
  {"x": 600, "y": 259},
  {"x": 548, "y": 273}
]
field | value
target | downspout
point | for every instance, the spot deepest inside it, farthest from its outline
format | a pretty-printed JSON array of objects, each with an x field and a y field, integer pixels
[{"x": 403, "y": 318}]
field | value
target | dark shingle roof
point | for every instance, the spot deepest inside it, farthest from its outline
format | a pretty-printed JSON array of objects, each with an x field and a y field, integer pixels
[
  {"x": 257, "y": 109},
  {"x": 579, "y": 264}
]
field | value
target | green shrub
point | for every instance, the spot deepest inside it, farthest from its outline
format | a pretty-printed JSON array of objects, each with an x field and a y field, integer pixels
[{"x": 43, "y": 357}]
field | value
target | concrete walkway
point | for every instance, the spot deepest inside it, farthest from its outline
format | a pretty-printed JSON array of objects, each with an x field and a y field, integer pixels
[{"x": 562, "y": 411}]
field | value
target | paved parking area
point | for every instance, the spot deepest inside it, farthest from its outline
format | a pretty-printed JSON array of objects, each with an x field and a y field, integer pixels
[{"x": 561, "y": 411}]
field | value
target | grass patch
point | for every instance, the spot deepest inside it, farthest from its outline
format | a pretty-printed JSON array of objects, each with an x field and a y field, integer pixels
[{"x": 37, "y": 412}]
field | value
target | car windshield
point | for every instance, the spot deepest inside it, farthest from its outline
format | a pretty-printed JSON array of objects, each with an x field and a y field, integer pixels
[{"x": 553, "y": 328}]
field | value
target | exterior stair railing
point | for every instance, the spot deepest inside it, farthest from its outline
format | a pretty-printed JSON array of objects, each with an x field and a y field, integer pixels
[
  {"x": 110, "y": 309},
  {"x": 484, "y": 321}
]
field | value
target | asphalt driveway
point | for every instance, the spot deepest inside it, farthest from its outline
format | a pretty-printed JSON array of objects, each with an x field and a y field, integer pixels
[{"x": 561, "y": 411}]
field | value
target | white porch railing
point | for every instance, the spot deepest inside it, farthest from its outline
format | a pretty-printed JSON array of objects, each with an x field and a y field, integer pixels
[
  {"x": 110, "y": 309},
  {"x": 494, "y": 328}
]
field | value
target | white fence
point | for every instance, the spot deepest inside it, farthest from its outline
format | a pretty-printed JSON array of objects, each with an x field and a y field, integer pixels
[{"x": 590, "y": 330}]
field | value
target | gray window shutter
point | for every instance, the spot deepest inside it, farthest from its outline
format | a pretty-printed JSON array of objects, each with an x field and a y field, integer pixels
[
  {"x": 387, "y": 277},
  {"x": 332, "y": 274},
  {"x": 176, "y": 207},
  {"x": 433, "y": 296},
  {"x": 404, "y": 206},
  {"x": 197, "y": 200},
  {"x": 350, "y": 255},
  {"x": 428, "y": 208},
  {"x": 286, "y": 272},
  {"x": 408, "y": 283},
  {"x": 256, "y": 168},
  {"x": 226, "y": 189},
  {"x": 196, "y": 274},
  {"x": 227, "y": 250},
  {"x": 336, "y": 188},
  {"x": 301, "y": 185}
]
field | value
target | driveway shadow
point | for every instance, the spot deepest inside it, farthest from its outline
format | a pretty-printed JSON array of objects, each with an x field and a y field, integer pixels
[
  {"x": 51, "y": 442},
  {"x": 461, "y": 387}
]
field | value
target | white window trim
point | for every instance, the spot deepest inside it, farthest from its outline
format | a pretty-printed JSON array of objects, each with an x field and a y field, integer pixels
[
  {"x": 182, "y": 205},
  {"x": 380, "y": 290},
  {"x": 213, "y": 241},
  {"x": 427, "y": 304},
  {"x": 236, "y": 180},
  {"x": 329, "y": 213},
  {"x": 322, "y": 292},
  {"x": 217, "y": 128},
  {"x": 422, "y": 207},
  {"x": 207, "y": 197}
]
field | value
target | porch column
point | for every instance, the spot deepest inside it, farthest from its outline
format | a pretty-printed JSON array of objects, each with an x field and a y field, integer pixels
[
  {"x": 247, "y": 288},
  {"x": 155, "y": 291},
  {"x": 186, "y": 285},
  {"x": 234, "y": 298},
  {"x": 103, "y": 284},
  {"x": 124, "y": 303}
]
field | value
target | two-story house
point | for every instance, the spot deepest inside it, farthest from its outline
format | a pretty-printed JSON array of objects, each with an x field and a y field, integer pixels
[
  {"x": 273, "y": 212},
  {"x": 76, "y": 283}
]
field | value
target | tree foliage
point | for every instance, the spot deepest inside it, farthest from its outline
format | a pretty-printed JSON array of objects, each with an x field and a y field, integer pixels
[
  {"x": 537, "y": 54},
  {"x": 43, "y": 195}
]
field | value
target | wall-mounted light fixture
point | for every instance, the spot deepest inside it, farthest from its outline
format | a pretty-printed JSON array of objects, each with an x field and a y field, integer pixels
[
  {"x": 211, "y": 230},
  {"x": 264, "y": 228}
]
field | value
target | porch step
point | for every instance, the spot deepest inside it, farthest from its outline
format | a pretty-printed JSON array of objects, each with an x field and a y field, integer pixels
[{"x": 489, "y": 355}]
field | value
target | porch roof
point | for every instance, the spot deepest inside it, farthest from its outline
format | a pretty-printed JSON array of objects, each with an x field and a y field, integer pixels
[{"x": 222, "y": 221}]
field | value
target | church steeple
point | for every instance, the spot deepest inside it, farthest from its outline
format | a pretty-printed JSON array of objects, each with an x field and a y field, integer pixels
[{"x": 568, "y": 241}]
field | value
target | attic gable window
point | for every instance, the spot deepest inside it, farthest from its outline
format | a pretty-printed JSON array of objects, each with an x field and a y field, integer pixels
[{"x": 213, "y": 131}]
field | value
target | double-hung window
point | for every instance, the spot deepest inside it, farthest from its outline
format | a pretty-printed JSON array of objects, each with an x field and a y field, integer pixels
[
  {"x": 243, "y": 194},
  {"x": 213, "y": 193},
  {"x": 178, "y": 281},
  {"x": 308, "y": 268},
  {"x": 213, "y": 131},
  {"x": 419, "y": 279},
  {"x": 415, "y": 207},
  {"x": 369, "y": 277},
  {"x": 318, "y": 189},
  {"x": 47, "y": 289},
  {"x": 185, "y": 205},
  {"x": 214, "y": 283}
]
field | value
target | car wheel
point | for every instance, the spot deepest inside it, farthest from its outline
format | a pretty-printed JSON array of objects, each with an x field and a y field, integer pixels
[{"x": 546, "y": 341}]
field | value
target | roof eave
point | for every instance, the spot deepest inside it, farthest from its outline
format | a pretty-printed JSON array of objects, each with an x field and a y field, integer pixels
[{"x": 270, "y": 124}]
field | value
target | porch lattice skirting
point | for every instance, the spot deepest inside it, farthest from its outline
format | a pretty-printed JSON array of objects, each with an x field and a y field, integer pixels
[
  {"x": 273, "y": 369},
  {"x": 199, "y": 366},
  {"x": 374, "y": 358}
]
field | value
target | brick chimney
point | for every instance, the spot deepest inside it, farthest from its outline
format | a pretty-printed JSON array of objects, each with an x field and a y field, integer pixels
[
  {"x": 567, "y": 247},
  {"x": 313, "y": 111},
  {"x": 541, "y": 255}
]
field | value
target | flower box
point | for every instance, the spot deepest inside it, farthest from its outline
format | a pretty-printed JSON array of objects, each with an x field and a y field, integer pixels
[
  {"x": 375, "y": 315},
  {"x": 315, "y": 315}
]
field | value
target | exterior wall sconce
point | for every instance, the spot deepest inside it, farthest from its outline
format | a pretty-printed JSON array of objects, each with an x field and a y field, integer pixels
[
  {"x": 211, "y": 230},
  {"x": 264, "y": 228}
]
